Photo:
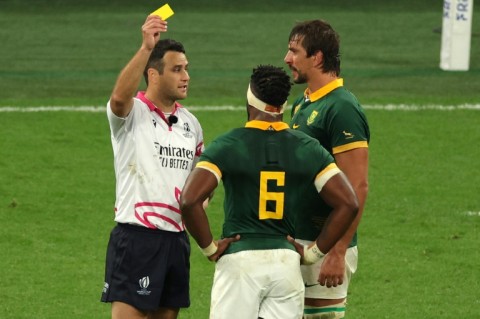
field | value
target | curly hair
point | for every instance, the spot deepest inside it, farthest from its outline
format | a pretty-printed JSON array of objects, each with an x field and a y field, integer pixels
[{"x": 271, "y": 84}]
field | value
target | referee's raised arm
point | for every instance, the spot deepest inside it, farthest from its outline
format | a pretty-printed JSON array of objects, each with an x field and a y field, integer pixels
[{"x": 121, "y": 100}]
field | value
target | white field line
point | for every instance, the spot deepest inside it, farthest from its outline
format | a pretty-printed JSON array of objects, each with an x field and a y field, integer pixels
[
  {"x": 471, "y": 213},
  {"x": 100, "y": 109}
]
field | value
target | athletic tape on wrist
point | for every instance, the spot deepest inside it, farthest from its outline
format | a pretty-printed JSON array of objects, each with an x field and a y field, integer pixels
[
  {"x": 311, "y": 254},
  {"x": 210, "y": 249}
]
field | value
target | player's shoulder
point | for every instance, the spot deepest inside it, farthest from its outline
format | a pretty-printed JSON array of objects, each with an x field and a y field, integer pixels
[
  {"x": 301, "y": 136},
  {"x": 308, "y": 145},
  {"x": 342, "y": 100},
  {"x": 343, "y": 96}
]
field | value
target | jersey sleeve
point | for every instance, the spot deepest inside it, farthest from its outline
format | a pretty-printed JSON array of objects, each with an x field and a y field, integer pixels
[
  {"x": 326, "y": 166},
  {"x": 212, "y": 157},
  {"x": 212, "y": 168},
  {"x": 347, "y": 127},
  {"x": 119, "y": 125},
  {"x": 322, "y": 178}
]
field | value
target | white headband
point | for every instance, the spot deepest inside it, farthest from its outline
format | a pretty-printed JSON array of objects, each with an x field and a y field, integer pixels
[{"x": 262, "y": 106}]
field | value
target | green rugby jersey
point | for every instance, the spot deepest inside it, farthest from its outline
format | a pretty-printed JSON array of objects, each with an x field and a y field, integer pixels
[
  {"x": 265, "y": 168},
  {"x": 334, "y": 117}
]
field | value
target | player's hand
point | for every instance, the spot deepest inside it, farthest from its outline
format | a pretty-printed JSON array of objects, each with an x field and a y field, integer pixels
[
  {"x": 332, "y": 269},
  {"x": 298, "y": 247},
  {"x": 222, "y": 245},
  {"x": 151, "y": 30}
]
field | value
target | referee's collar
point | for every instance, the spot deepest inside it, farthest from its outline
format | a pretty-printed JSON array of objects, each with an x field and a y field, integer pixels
[
  {"x": 141, "y": 96},
  {"x": 262, "y": 125}
]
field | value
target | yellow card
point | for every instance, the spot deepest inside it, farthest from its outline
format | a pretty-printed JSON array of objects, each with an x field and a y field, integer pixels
[{"x": 164, "y": 12}]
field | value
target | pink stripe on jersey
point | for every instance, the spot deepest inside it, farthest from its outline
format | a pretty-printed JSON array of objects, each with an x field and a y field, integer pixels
[
  {"x": 144, "y": 217},
  {"x": 147, "y": 223},
  {"x": 153, "y": 204}
]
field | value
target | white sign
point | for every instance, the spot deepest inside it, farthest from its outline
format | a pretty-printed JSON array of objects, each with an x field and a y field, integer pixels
[{"x": 456, "y": 35}]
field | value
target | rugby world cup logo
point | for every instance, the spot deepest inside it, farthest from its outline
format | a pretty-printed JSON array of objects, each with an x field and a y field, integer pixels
[
  {"x": 143, "y": 283},
  {"x": 187, "y": 131}
]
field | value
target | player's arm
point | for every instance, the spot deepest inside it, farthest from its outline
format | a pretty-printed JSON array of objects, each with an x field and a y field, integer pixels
[
  {"x": 354, "y": 164},
  {"x": 198, "y": 187},
  {"x": 121, "y": 100},
  {"x": 337, "y": 192},
  {"x": 200, "y": 149}
]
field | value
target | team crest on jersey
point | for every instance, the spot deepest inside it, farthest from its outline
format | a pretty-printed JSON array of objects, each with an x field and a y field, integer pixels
[{"x": 312, "y": 117}]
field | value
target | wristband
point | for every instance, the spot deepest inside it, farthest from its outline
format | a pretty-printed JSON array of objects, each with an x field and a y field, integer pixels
[
  {"x": 311, "y": 254},
  {"x": 210, "y": 249}
]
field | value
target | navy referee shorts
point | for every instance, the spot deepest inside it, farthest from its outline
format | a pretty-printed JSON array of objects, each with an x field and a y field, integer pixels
[{"x": 147, "y": 268}]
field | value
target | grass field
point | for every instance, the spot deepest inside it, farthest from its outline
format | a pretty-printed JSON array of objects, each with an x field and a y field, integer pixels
[{"x": 419, "y": 238}]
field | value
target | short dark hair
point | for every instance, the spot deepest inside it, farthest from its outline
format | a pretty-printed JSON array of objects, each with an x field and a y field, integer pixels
[
  {"x": 156, "y": 57},
  {"x": 318, "y": 35},
  {"x": 270, "y": 84}
]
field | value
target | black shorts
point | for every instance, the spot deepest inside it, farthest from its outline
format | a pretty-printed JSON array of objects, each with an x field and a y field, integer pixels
[{"x": 147, "y": 268}]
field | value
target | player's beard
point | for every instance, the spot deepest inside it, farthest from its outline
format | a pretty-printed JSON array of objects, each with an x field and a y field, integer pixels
[{"x": 301, "y": 78}]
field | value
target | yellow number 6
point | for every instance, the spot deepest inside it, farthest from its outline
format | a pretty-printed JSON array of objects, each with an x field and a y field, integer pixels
[{"x": 266, "y": 196}]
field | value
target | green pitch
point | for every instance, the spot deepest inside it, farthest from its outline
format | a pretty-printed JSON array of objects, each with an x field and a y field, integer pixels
[
  {"x": 60, "y": 52},
  {"x": 419, "y": 236}
]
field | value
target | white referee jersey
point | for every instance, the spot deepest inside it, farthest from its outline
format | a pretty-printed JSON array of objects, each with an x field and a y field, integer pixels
[{"x": 152, "y": 160}]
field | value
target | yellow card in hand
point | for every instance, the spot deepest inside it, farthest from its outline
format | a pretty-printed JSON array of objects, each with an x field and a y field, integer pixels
[{"x": 164, "y": 12}]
